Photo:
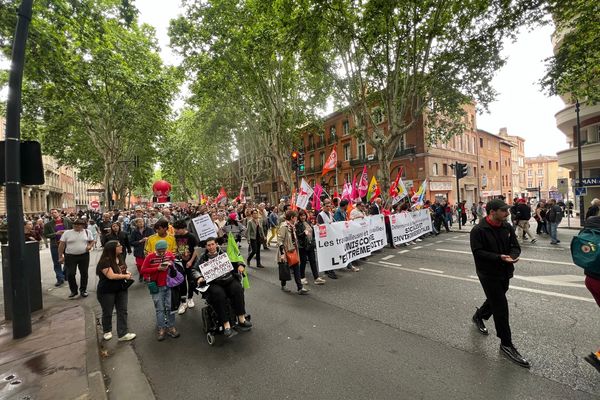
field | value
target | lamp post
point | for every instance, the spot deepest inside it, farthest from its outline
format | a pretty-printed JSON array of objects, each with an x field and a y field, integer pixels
[{"x": 579, "y": 165}]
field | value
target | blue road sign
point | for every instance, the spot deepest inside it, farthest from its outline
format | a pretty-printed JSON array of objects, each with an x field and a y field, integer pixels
[{"x": 580, "y": 191}]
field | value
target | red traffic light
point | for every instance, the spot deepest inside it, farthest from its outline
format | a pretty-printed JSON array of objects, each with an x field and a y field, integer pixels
[{"x": 294, "y": 154}]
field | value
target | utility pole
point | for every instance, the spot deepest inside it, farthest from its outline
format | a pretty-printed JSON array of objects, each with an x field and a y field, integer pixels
[
  {"x": 579, "y": 165},
  {"x": 14, "y": 202}
]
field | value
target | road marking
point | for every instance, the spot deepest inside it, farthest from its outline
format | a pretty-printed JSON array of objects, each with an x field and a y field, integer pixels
[
  {"x": 457, "y": 237},
  {"x": 460, "y": 278},
  {"x": 386, "y": 263},
  {"x": 555, "y": 280},
  {"x": 440, "y": 241},
  {"x": 432, "y": 270},
  {"x": 459, "y": 240},
  {"x": 403, "y": 251},
  {"x": 417, "y": 247},
  {"x": 533, "y": 246},
  {"x": 387, "y": 257},
  {"x": 428, "y": 244},
  {"x": 520, "y": 258}
]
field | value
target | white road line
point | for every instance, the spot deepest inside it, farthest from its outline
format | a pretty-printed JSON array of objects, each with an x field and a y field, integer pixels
[
  {"x": 457, "y": 237},
  {"x": 387, "y": 257},
  {"x": 520, "y": 258},
  {"x": 428, "y": 244},
  {"x": 386, "y": 263},
  {"x": 403, "y": 251},
  {"x": 460, "y": 278},
  {"x": 440, "y": 241},
  {"x": 432, "y": 270},
  {"x": 417, "y": 247}
]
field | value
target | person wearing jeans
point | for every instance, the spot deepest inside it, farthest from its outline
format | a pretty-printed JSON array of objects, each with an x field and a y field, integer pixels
[
  {"x": 53, "y": 230},
  {"x": 553, "y": 216},
  {"x": 74, "y": 250},
  {"x": 155, "y": 270},
  {"x": 256, "y": 237}
]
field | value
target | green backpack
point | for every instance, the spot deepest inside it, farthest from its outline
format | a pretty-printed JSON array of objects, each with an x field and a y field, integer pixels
[{"x": 585, "y": 250}]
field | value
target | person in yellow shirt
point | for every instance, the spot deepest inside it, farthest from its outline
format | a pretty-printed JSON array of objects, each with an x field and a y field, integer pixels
[{"x": 161, "y": 228}]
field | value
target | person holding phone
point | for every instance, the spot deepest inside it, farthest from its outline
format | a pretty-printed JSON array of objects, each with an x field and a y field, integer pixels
[
  {"x": 155, "y": 270},
  {"x": 496, "y": 250}
]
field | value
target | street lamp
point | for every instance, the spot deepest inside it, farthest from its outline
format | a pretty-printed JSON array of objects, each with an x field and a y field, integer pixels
[{"x": 579, "y": 164}]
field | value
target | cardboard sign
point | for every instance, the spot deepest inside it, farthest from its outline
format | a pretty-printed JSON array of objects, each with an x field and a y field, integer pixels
[
  {"x": 205, "y": 227},
  {"x": 216, "y": 268}
]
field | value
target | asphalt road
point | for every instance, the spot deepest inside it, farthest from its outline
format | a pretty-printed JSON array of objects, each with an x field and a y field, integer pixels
[{"x": 398, "y": 329}]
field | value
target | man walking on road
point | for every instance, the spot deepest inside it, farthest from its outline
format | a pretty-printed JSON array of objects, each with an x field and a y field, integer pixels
[
  {"x": 74, "y": 250},
  {"x": 495, "y": 250},
  {"x": 53, "y": 230},
  {"x": 553, "y": 216},
  {"x": 523, "y": 215}
]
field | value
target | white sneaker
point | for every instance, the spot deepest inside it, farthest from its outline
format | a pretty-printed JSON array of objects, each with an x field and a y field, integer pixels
[
  {"x": 182, "y": 308},
  {"x": 107, "y": 336},
  {"x": 418, "y": 240},
  {"x": 127, "y": 337},
  {"x": 304, "y": 281},
  {"x": 319, "y": 281},
  {"x": 354, "y": 269},
  {"x": 190, "y": 303}
]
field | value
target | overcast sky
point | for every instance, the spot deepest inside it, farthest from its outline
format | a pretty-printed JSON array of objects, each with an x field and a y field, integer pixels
[{"x": 520, "y": 106}]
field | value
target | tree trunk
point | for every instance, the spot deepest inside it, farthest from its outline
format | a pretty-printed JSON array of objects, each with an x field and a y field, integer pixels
[{"x": 107, "y": 188}]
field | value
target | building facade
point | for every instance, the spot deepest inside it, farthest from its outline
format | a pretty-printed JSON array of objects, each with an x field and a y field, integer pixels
[{"x": 543, "y": 172}]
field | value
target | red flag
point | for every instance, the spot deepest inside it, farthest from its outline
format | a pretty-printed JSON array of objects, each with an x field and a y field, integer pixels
[
  {"x": 222, "y": 195},
  {"x": 336, "y": 194},
  {"x": 363, "y": 184},
  {"x": 331, "y": 162},
  {"x": 394, "y": 187},
  {"x": 242, "y": 196}
]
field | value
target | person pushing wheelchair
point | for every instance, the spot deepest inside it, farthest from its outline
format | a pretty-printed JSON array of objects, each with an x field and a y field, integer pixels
[{"x": 223, "y": 289}]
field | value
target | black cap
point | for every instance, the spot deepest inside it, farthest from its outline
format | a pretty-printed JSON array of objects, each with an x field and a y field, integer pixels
[{"x": 496, "y": 204}]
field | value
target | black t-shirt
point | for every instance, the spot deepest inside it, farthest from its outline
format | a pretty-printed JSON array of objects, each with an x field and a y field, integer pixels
[{"x": 185, "y": 243}]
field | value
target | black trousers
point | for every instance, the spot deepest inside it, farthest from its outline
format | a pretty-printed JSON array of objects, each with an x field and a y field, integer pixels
[
  {"x": 218, "y": 293},
  {"x": 74, "y": 262},
  {"x": 110, "y": 301},
  {"x": 308, "y": 255},
  {"x": 295, "y": 270},
  {"x": 496, "y": 304},
  {"x": 463, "y": 219},
  {"x": 254, "y": 250}
]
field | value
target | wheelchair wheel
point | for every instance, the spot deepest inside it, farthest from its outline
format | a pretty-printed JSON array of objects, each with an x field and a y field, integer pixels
[
  {"x": 205, "y": 318},
  {"x": 211, "y": 339}
]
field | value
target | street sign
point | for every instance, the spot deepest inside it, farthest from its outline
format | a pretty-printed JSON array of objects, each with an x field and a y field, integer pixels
[
  {"x": 562, "y": 185},
  {"x": 94, "y": 204},
  {"x": 588, "y": 182},
  {"x": 581, "y": 191}
]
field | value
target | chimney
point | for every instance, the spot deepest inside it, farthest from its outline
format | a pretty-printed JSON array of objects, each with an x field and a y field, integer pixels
[{"x": 503, "y": 132}]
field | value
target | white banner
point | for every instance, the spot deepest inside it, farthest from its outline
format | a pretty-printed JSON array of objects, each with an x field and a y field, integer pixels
[
  {"x": 216, "y": 267},
  {"x": 408, "y": 226},
  {"x": 340, "y": 243},
  {"x": 205, "y": 227},
  {"x": 377, "y": 238},
  {"x": 303, "y": 195}
]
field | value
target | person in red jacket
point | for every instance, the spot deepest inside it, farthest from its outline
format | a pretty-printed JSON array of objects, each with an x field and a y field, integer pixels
[{"x": 154, "y": 270}]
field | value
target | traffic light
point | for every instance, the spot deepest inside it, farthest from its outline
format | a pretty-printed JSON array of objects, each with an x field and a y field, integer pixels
[
  {"x": 300, "y": 161},
  {"x": 294, "y": 160},
  {"x": 462, "y": 170}
]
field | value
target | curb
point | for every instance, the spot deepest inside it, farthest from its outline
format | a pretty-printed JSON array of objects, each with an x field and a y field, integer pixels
[{"x": 96, "y": 384}]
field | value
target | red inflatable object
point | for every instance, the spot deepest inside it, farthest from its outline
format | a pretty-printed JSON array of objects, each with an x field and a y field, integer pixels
[{"x": 161, "y": 190}]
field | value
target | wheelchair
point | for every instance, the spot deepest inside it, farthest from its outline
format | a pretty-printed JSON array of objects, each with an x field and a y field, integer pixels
[{"x": 212, "y": 327}]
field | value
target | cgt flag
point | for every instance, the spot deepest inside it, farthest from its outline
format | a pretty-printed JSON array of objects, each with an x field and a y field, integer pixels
[
  {"x": 331, "y": 162},
  {"x": 303, "y": 195},
  {"x": 316, "y": 200},
  {"x": 363, "y": 184},
  {"x": 221, "y": 196}
]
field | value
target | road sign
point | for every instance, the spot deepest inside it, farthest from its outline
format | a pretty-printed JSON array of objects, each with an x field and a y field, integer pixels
[
  {"x": 94, "y": 204},
  {"x": 562, "y": 184},
  {"x": 581, "y": 191}
]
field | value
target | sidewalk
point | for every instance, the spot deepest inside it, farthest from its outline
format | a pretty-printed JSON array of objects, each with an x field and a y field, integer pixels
[
  {"x": 64, "y": 357},
  {"x": 564, "y": 224}
]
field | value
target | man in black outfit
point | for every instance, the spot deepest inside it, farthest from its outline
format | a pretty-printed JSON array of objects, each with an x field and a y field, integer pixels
[{"x": 495, "y": 250}]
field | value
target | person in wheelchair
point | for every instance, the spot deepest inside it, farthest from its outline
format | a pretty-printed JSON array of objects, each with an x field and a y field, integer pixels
[{"x": 224, "y": 289}]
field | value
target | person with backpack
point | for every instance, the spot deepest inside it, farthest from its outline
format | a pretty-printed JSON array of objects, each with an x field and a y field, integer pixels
[
  {"x": 585, "y": 251},
  {"x": 553, "y": 218}
]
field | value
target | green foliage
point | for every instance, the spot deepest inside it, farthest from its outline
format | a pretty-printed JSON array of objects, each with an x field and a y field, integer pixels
[
  {"x": 95, "y": 91},
  {"x": 244, "y": 61},
  {"x": 575, "y": 68}
]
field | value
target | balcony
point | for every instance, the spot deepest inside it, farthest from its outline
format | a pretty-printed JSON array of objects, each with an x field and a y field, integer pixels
[
  {"x": 362, "y": 160},
  {"x": 407, "y": 151},
  {"x": 566, "y": 118},
  {"x": 590, "y": 155}
]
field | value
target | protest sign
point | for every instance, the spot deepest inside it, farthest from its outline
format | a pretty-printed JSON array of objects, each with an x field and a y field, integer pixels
[
  {"x": 340, "y": 243},
  {"x": 377, "y": 237},
  {"x": 204, "y": 226},
  {"x": 216, "y": 267},
  {"x": 408, "y": 226}
]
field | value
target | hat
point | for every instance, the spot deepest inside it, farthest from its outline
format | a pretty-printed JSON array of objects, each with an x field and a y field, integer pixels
[
  {"x": 232, "y": 216},
  {"x": 161, "y": 245},
  {"x": 79, "y": 222},
  {"x": 496, "y": 204}
]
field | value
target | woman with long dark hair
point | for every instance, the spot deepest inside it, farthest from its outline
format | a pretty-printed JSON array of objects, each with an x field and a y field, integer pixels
[
  {"x": 117, "y": 234},
  {"x": 112, "y": 290}
]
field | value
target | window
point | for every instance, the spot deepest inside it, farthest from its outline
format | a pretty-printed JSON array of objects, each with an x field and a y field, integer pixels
[
  {"x": 362, "y": 149},
  {"x": 481, "y": 142},
  {"x": 540, "y": 172},
  {"x": 377, "y": 115},
  {"x": 489, "y": 164},
  {"x": 541, "y": 183},
  {"x": 402, "y": 143},
  {"x": 482, "y": 167},
  {"x": 445, "y": 169},
  {"x": 489, "y": 144},
  {"x": 434, "y": 169},
  {"x": 347, "y": 152},
  {"x": 322, "y": 155},
  {"x": 472, "y": 145},
  {"x": 332, "y": 133},
  {"x": 346, "y": 127},
  {"x": 348, "y": 177},
  {"x": 474, "y": 171},
  {"x": 529, "y": 172},
  {"x": 312, "y": 162},
  {"x": 496, "y": 165},
  {"x": 460, "y": 143}
]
